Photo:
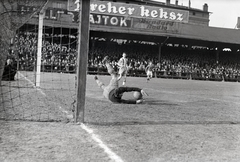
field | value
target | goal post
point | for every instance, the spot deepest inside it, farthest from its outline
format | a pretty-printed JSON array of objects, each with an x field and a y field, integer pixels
[
  {"x": 39, "y": 49},
  {"x": 83, "y": 42},
  {"x": 39, "y": 45}
]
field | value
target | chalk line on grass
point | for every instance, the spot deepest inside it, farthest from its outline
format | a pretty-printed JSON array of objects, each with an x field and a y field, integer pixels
[
  {"x": 32, "y": 84},
  {"x": 107, "y": 150}
]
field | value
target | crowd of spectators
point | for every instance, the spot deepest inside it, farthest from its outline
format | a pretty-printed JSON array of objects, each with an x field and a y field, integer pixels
[
  {"x": 174, "y": 61},
  {"x": 60, "y": 55}
]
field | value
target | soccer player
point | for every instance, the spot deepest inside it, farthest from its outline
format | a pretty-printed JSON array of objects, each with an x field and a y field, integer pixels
[
  {"x": 149, "y": 70},
  {"x": 122, "y": 65},
  {"x": 112, "y": 91}
]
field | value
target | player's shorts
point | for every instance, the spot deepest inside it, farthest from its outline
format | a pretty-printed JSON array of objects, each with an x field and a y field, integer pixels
[
  {"x": 123, "y": 71},
  {"x": 149, "y": 73}
]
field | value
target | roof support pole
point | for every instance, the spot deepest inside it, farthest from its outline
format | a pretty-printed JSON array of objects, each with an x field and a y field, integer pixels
[
  {"x": 159, "y": 52},
  {"x": 217, "y": 55},
  {"x": 160, "y": 48}
]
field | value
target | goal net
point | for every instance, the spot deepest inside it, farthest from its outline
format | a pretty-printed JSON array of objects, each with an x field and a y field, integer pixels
[{"x": 21, "y": 97}]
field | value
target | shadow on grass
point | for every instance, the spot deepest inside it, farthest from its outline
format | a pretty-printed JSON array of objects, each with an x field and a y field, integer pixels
[{"x": 159, "y": 102}]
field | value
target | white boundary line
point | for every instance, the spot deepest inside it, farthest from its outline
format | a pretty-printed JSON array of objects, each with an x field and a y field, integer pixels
[
  {"x": 95, "y": 137},
  {"x": 106, "y": 149},
  {"x": 32, "y": 84}
]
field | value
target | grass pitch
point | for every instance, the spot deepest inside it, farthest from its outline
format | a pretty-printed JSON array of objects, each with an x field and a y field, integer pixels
[
  {"x": 180, "y": 120},
  {"x": 169, "y": 101}
]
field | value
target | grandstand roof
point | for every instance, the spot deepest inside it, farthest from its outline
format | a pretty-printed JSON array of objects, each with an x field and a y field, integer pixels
[{"x": 188, "y": 34}]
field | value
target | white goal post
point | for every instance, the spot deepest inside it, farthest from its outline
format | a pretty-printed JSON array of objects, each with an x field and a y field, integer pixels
[
  {"x": 39, "y": 45},
  {"x": 39, "y": 49}
]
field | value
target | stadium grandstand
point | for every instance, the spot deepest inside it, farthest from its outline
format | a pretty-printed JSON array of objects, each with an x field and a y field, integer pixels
[{"x": 176, "y": 38}]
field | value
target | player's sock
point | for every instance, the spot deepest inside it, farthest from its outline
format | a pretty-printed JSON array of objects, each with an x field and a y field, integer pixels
[
  {"x": 139, "y": 101},
  {"x": 144, "y": 93},
  {"x": 99, "y": 83}
]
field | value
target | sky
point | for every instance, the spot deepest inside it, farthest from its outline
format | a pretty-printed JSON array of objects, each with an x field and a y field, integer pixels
[{"x": 224, "y": 13}]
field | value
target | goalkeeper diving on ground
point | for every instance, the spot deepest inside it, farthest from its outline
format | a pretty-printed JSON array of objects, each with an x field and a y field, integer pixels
[{"x": 113, "y": 92}]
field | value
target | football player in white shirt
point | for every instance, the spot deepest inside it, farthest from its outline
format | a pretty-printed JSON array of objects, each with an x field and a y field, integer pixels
[{"x": 122, "y": 65}]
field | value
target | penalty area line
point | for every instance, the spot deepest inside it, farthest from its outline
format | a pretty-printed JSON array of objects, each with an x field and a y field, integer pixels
[{"x": 113, "y": 156}]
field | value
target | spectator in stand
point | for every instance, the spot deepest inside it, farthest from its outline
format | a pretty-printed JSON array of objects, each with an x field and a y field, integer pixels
[
  {"x": 180, "y": 61},
  {"x": 142, "y": 66}
]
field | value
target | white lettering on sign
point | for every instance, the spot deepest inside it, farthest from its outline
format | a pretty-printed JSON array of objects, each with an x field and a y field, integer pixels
[
  {"x": 144, "y": 12},
  {"x": 114, "y": 21},
  {"x": 132, "y": 10},
  {"x": 93, "y": 7},
  {"x": 180, "y": 18},
  {"x": 77, "y": 3},
  {"x": 111, "y": 9},
  {"x": 172, "y": 16},
  {"x": 163, "y": 15},
  {"x": 154, "y": 13},
  {"x": 122, "y": 10},
  {"x": 102, "y": 8},
  {"x": 108, "y": 20},
  {"x": 105, "y": 18}
]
